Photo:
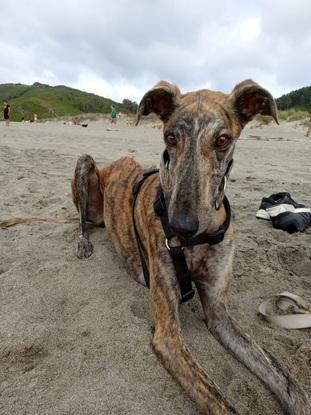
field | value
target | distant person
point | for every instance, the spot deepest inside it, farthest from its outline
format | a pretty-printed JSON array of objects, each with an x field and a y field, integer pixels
[
  {"x": 35, "y": 117},
  {"x": 113, "y": 115},
  {"x": 6, "y": 113},
  {"x": 309, "y": 126}
]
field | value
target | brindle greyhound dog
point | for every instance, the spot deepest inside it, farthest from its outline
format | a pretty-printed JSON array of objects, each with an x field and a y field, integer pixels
[{"x": 200, "y": 132}]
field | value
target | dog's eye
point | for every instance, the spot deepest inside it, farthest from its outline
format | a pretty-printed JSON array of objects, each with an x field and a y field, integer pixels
[
  {"x": 171, "y": 140},
  {"x": 222, "y": 140}
]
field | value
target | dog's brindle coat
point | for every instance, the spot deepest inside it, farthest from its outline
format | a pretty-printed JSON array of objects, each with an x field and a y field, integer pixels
[{"x": 200, "y": 132}]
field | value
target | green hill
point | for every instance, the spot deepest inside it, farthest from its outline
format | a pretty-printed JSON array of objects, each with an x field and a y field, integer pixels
[
  {"x": 56, "y": 101},
  {"x": 299, "y": 100}
]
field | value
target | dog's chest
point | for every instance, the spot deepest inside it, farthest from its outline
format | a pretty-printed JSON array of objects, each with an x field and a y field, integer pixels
[{"x": 208, "y": 262}]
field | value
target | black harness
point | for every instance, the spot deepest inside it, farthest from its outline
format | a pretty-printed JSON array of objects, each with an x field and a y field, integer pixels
[{"x": 177, "y": 252}]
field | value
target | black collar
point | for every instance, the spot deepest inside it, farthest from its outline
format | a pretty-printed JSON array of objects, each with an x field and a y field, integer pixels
[{"x": 203, "y": 238}]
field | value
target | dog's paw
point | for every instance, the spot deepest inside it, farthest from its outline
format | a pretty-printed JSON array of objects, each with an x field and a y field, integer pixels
[{"x": 84, "y": 248}]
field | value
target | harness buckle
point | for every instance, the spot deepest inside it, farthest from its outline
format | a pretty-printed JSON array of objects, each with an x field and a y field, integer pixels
[
  {"x": 187, "y": 296},
  {"x": 169, "y": 247}
]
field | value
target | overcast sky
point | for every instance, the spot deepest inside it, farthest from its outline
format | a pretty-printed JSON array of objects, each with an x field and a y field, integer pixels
[{"x": 120, "y": 48}]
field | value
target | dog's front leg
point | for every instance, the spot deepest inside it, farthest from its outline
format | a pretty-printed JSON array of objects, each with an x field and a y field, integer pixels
[
  {"x": 293, "y": 399},
  {"x": 169, "y": 346}
]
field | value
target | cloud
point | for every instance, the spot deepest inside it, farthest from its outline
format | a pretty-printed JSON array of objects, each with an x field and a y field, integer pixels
[{"x": 120, "y": 49}]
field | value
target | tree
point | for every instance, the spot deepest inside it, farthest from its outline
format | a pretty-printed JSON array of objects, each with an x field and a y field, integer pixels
[
  {"x": 301, "y": 98},
  {"x": 130, "y": 106}
]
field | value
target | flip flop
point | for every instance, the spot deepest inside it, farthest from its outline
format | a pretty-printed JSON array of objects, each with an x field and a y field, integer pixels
[{"x": 286, "y": 310}]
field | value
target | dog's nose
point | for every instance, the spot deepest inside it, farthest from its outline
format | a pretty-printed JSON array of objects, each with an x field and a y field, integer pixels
[{"x": 184, "y": 225}]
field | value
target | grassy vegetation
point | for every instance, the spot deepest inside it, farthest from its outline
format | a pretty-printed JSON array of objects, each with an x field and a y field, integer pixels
[
  {"x": 293, "y": 114},
  {"x": 57, "y": 101},
  {"x": 288, "y": 115}
]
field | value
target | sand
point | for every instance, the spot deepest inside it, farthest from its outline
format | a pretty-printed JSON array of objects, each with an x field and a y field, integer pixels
[{"x": 75, "y": 335}]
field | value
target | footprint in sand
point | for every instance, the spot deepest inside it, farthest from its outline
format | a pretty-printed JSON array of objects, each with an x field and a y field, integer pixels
[
  {"x": 280, "y": 236},
  {"x": 140, "y": 311},
  {"x": 294, "y": 259},
  {"x": 24, "y": 354}
]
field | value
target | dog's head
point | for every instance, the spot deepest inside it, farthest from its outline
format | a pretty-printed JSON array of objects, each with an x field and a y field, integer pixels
[{"x": 200, "y": 131}]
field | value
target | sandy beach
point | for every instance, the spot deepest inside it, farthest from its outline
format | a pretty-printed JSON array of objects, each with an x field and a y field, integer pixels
[{"x": 75, "y": 335}]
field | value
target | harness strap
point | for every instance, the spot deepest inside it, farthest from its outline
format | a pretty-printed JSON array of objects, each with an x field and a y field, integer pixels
[
  {"x": 182, "y": 272},
  {"x": 176, "y": 252},
  {"x": 229, "y": 168},
  {"x": 135, "y": 192}
]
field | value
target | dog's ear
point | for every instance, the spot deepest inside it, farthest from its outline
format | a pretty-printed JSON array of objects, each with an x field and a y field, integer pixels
[
  {"x": 249, "y": 99},
  {"x": 162, "y": 99}
]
